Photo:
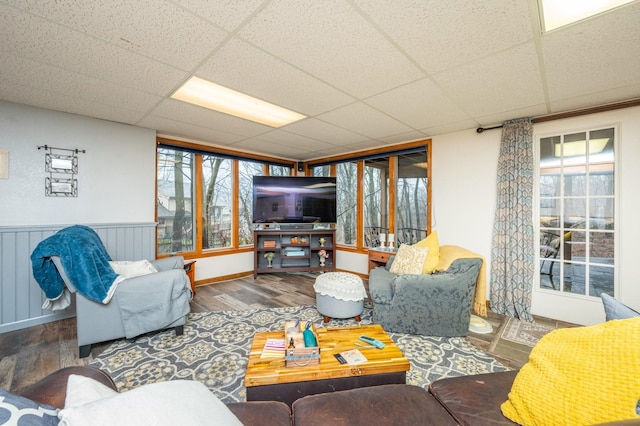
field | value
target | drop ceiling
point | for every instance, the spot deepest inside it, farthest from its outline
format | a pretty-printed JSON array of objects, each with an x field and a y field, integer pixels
[{"x": 366, "y": 73}]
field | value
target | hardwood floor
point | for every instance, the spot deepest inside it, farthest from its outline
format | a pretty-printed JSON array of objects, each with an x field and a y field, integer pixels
[{"x": 30, "y": 354}]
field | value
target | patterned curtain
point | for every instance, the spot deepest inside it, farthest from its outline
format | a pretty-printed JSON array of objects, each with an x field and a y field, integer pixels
[{"x": 512, "y": 249}]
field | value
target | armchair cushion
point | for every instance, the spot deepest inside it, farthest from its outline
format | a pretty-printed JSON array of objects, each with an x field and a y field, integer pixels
[
  {"x": 409, "y": 260},
  {"x": 141, "y": 313}
]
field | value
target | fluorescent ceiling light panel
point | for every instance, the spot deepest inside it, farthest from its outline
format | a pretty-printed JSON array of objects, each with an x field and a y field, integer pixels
[
  {"x": 558, "y": 13},
  {"x": 219, "y": 98}
]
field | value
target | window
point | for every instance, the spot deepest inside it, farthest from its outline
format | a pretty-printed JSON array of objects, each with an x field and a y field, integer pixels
[
  {"x": 216, "y": 202},
  {"x": 577, "y": 212},
  {"x": 279, "y": 171},
  {"x": 175, "y": 201},
  {"x": 346, "y": 202},
  {"x": 205, "y": 197},
  {"x": 411, "y": 195},
  {"x": 376, "y": 201},
  {"x": 381, "y": 192},
  {"x": 247, "y": 170}
]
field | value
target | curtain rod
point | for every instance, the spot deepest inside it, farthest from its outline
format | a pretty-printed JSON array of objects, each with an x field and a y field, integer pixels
[{"x": 575, "y": 113}]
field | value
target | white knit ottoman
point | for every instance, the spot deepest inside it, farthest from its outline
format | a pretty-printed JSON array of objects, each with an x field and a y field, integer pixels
[{"x": 339, "y": 295}]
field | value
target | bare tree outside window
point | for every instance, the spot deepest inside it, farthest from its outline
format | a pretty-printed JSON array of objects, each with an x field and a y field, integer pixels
[
  {"x": 376, "y": 205},
  {"x": 217, "y": 195},
  {"x": 247, "y": 170},
  {"x": 411, "y": 195},
  {"x": 347, "y": 186},
  {"x": 175, "y": 201}
]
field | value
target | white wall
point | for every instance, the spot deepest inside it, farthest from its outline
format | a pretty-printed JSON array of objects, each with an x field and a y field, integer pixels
[
  {"x": 116, "y": 175},
  {"x": 464, "y": 180}
]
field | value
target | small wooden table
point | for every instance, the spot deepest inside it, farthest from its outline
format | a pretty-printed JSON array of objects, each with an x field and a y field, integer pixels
[
  {"x": 190, "y": 269},
  {"x": 267, "y": 379},
  {"x": 379, "y": 256}
]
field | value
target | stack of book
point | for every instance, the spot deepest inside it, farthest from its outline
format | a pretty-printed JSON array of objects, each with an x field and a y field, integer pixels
[
  {"x": 269, "y": 243},
  {"x": 273, "y": 348}
]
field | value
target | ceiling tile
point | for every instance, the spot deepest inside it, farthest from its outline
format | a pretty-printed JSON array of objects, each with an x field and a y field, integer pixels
[
  {"x": 68, "y": 49},
  {"x": 403, "y": 137},
  {"x": 580, "y": 60},
  {"x": 441, "y": 129},
  {"x": 440, "y": 35},
  {"x": 280, "y": 150},
  {"x": 363, "y": 119},
  {"x": 324, "y": 131},
  {"x": 127, "y": 25},
  {"x": 599, "y": 98},
  {"x": 28, "y": 95},
  {"x": 227, "y": 14},
  {"x": 38, "y": 76},
  {"x": 419, "y": 104},
  {"x": 490, "y": 85},
  {"x": 293, "y": 140},
  {"x": 490, "y": 120},
  {"x": 331, "y": 40},
  {"x": 180, "y": 130},
  {"x": 245, "y": 68}
]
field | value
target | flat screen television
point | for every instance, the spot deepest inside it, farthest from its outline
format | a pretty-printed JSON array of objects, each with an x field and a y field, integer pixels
[{"x": 294, "y": 200}]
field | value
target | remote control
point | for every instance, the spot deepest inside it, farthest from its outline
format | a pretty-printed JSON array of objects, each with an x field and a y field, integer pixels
[
  {"x": 340, "y": 359},
  {"x": 375, "y": 342}
]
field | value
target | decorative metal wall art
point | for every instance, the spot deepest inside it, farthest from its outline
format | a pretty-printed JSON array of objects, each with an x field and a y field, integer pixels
[{"x": 62, "y": 166}]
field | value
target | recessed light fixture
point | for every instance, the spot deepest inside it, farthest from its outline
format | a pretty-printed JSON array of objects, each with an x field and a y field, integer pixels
[
  {"x": 206, "y": 94},
  {"x": 559, "y": 13}
]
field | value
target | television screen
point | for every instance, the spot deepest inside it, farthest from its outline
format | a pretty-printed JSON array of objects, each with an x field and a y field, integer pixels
[{"x": 284, "y": 199}]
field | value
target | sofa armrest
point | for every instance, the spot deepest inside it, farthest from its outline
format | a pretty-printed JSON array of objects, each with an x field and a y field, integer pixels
[
  {"x": 263, "y": 413},
  {"x": 52, "y": 389},
  {"x": 167, "y": 263},
  {"x": 381, "y": 285},
  {"x": 476, "y": 399}
]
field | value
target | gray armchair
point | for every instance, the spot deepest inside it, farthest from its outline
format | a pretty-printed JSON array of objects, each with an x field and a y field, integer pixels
[
  {"x": 139, "y": 305},
  {"x": 109, "y": 306},
  {"x": 438, "y": 304}
]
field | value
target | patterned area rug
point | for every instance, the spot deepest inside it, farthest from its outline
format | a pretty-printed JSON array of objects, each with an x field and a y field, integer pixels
[
  {"x": 215, "y": 347},
  {"x": 524, "y": 333}
]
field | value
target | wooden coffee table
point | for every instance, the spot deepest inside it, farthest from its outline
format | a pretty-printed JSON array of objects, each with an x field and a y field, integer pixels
[{"x": 267, "y": 379}]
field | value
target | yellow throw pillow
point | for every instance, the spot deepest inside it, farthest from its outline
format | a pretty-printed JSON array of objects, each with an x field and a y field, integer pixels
[
  {"x": 409, "y": 260},
  {"x": 579, "y": 376},
  {"x": 431, "y": 242}
]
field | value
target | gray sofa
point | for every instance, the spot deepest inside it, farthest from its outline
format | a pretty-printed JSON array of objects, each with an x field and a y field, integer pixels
[{"x": 437, "y": 304}]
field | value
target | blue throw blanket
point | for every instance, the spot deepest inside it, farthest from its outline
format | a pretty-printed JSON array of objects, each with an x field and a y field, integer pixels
[{"x": 85, "y": 261}]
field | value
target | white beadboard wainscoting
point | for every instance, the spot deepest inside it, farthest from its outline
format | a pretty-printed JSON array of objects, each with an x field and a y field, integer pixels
[{"x": 21, "y": 297}]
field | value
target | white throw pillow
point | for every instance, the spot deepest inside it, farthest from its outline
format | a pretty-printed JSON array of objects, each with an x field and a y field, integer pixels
[
  {"x": 177, "y": 402},
  {"x": 130, "y": 269},
  {"x": 409, "y": 260},
  {"x": 83, "y": 390}
]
